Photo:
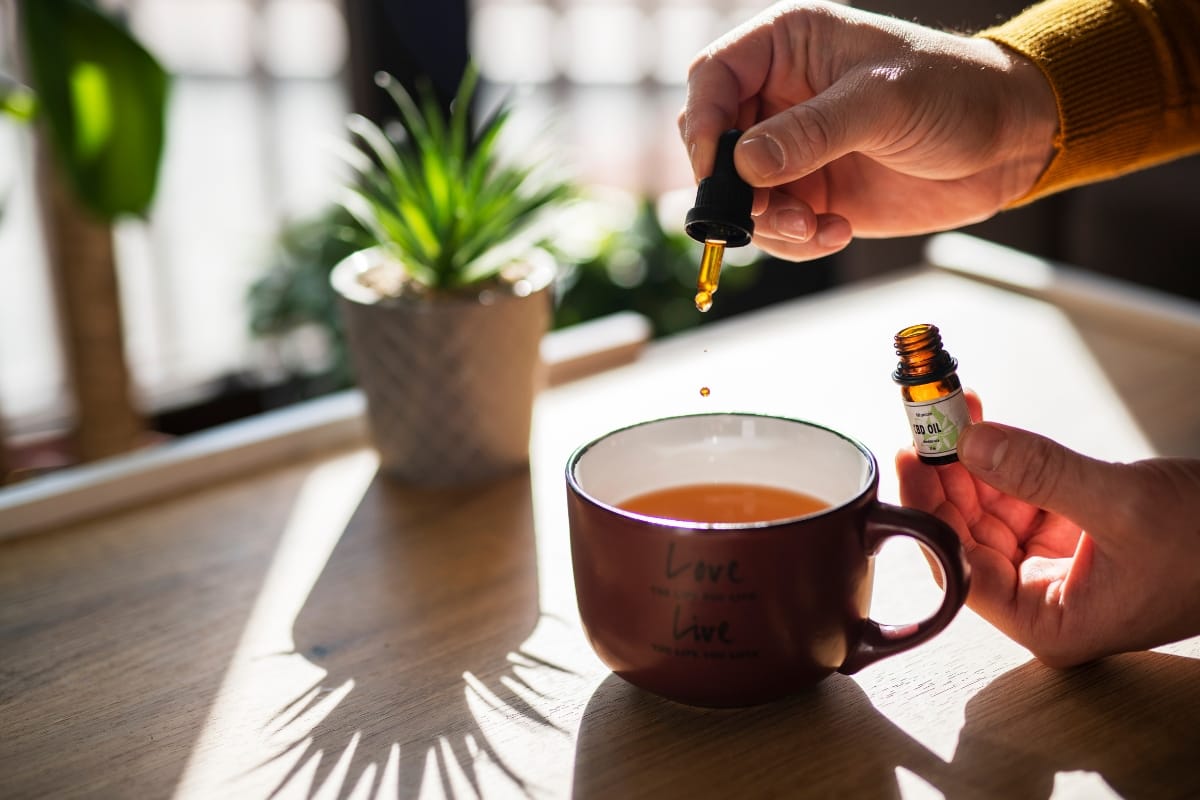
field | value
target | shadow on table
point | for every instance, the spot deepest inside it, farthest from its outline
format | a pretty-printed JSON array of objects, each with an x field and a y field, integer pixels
[
  {"x": 1132, "y": 719},
  {"x": 829, "y": 741},
  {"x": 426, "y": 600}
]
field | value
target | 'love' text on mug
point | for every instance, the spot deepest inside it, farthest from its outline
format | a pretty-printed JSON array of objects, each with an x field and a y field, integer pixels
[
  {"x": 699, "y": 588},
  {"x": 700, "y": 570}
]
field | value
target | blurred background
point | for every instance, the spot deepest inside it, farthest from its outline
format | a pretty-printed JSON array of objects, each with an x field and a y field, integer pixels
[{"x": 220, "y": 287}]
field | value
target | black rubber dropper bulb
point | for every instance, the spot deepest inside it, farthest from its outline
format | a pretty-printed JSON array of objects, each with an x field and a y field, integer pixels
[
  {"x": 723, "y": 200},
  {"x": 721, "y": 217}
]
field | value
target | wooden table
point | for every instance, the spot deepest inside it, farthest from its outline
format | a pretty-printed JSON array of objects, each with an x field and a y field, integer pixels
[{"x": 311, "y": 630}]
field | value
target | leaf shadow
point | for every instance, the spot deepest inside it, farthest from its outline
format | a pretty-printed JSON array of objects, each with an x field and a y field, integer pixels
[{"x": 420, "y": 612}]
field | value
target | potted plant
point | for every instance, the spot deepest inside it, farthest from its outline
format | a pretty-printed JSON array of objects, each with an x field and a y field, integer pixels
[{"x": 444, "y": 311}]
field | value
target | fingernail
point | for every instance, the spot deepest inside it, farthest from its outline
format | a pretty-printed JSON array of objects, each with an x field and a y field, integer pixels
[
  {"x": 764, "y": 154},
  {"x": 792, "y": 224},
  {"x": 982, "y": 446}
]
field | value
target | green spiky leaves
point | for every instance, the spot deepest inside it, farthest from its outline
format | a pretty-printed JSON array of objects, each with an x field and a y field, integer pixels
[{"x": 441, "y": 199}]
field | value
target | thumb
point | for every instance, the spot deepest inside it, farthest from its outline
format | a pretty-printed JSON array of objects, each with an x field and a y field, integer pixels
[
  {"x": 1040, "y": 472},
  {"x": 800, "y": 140}
]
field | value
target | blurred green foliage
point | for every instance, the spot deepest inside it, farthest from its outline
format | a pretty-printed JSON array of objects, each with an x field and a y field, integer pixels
[
  {"x": 294, "y": 291},
  {"x": 623, "y": 261},
  {"x": 103, "y": 98},
  {"x": 644, "y": 268}
]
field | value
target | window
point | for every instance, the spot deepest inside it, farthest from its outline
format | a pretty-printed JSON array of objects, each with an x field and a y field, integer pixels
[
  {"x": 259, "y": 95},
  {"x": 257, "y": 98}
]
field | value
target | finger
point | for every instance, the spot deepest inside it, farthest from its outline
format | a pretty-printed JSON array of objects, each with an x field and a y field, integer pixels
[
  {"x": 804, "y": 138},
  {"x": 720, "y": 80},
  {"x": 960, "y": 488},
  {"x": 811, "y": 192},
  {"x": 1020, "y": 517},
  {"x": 711, "y": 109},
  {"x": 1012, "y": 515},
  {"x": 993, "y": 587},
  {"x": 832, "y": 234},
  {"x": 790, "y": 221},
  {"x": 993, "y": 533},
  {"x": 762, "y": 201},
  {"x": 957, "y": 489},
  {"x": 1040, "y": 472},
  {"x": 974, "y": 404},
  {"x": 920, "y": 487},
  {"x": 993, "y": 573}
]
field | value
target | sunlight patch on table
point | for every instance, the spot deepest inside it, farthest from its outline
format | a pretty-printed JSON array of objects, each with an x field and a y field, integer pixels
[
  {"x": 914, "y": 787},
  {"x": 264, "y": 675},
  {"x": 1082, "y": 785}
]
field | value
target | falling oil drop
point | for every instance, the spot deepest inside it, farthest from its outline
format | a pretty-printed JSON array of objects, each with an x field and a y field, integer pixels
[{"x": 704, "y": 391}]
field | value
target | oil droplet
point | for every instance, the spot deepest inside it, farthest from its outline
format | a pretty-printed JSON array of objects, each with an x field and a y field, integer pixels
[
  {"x": 705, "y": 391},
  {"x": 703, "y": 301}
]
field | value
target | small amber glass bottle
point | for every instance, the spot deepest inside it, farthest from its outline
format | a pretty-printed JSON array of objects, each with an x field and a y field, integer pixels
[{"x": 933, "y": 396}]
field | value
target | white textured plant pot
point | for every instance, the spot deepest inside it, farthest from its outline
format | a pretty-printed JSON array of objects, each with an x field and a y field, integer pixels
[{"x": 449, "y": 381}]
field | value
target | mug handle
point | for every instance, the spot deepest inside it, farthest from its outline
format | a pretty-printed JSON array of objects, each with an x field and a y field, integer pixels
[{"x": 880, "y": 641}]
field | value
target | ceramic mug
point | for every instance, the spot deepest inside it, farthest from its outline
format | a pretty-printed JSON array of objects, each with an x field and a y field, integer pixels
[{"x": 740, "y": 613}]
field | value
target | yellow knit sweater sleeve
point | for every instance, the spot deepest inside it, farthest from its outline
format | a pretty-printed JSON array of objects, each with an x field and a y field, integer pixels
[{"x": 1126, "y": 74}]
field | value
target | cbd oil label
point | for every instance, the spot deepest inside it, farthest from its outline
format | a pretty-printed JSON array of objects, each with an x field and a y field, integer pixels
[{"x": 936, "y": 424}]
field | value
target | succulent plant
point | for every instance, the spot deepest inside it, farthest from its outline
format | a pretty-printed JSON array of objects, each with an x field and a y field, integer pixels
[{"x": 442, "y": 200}]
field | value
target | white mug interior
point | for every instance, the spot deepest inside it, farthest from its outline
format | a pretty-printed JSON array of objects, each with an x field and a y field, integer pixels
[{"x": 723, "y": 448}]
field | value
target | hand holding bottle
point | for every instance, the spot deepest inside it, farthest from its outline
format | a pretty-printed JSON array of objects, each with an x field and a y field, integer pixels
[{"x": 1071, "y": 557}]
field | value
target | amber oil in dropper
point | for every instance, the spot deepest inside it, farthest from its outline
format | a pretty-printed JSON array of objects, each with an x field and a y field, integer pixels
[
  {"x": 710, "y": 273},
  {"x": 932, "y": 393}
]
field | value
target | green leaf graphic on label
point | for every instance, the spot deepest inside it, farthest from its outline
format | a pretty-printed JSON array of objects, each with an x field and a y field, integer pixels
[{"x": 948, "y": 436}]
